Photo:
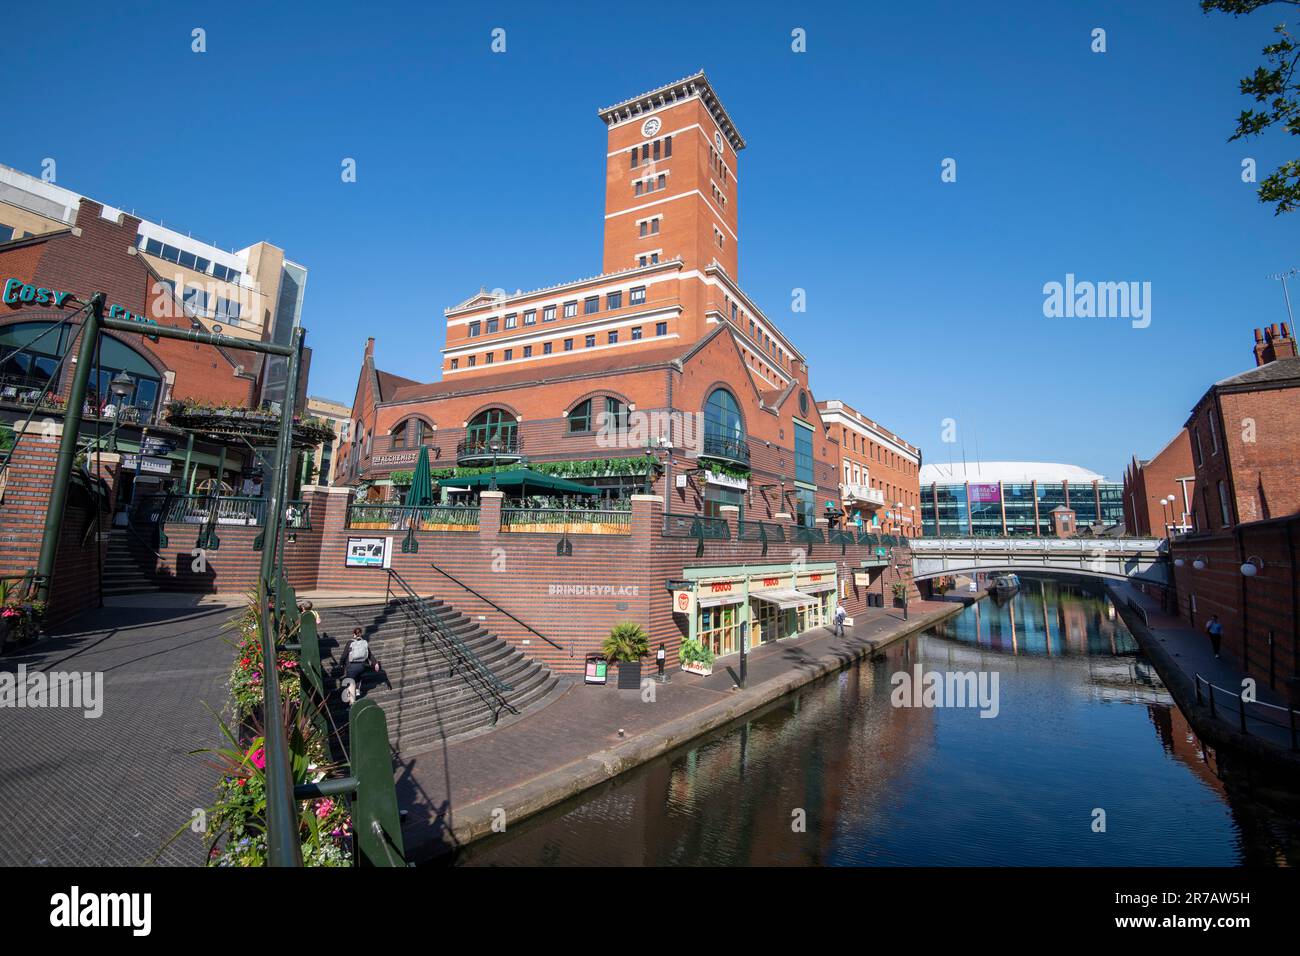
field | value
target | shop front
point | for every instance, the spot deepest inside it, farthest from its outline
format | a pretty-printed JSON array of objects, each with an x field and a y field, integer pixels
[{"x": 768, "y": 602}]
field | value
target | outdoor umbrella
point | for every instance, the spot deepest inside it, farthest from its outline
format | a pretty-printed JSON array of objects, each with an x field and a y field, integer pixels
[{"x": 420, "y": 494}]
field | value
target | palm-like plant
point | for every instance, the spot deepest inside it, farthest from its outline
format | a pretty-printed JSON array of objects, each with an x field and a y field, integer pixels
[{"x": 626, "y": 642}]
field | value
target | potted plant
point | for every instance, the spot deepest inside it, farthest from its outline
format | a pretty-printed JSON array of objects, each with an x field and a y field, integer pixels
[
  {"x": 627, "y": 644},
  {"x": 900, "y": 593},
  {"x": 695, "y": 658}
]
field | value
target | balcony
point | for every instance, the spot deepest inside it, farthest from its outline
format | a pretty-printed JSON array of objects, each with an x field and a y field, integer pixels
[
  {"x": 727, "y": 448},
  {"x": 863, "y": 495},
  {"x": 477, "y": 450}
]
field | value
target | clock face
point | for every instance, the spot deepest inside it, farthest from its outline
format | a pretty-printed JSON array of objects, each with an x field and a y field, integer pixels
[
  {"x": 651, "y": 126},
  {"x": 717, "y": 140}
]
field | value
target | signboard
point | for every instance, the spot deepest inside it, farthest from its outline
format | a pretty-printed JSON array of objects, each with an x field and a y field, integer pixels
[
  {"x": 148, "y": 466},
  {"x": 683, "y": 602},
  {"x": 861, "y": 580},
  {"x": 597, "y": 670},
  {"x": 369, "y": 553},
  {"x": 395, "y": 459},
  {"x": 18, "y": 292},
  {"x": 985, "y": 493},
  {"x": 157, "y": 446},
  {"x": 725, "y": 481}
]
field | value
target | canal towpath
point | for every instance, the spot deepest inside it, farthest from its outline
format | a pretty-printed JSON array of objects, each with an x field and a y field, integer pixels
[{"x": 1181, "y": 654}]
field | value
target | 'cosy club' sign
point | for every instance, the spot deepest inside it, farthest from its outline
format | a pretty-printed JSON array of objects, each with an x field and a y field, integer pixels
[{"x": 18, "y": 292}]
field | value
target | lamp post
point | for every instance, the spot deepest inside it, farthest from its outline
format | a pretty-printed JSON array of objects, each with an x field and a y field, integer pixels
[
  {"x": 898, "y": 516},
  {"x": 1173, "y": 516},
  {"x": 494, "y": 443},
  {"x": 120, "y": 387}
]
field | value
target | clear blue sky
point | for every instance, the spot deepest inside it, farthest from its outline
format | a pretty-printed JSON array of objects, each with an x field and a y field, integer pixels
[{"x": 924, "y": 298}]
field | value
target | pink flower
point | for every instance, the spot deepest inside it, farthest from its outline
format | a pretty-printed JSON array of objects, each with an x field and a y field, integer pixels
[
  {"x": 258, "y": 757},
  {"x": 323, "y": 809}
]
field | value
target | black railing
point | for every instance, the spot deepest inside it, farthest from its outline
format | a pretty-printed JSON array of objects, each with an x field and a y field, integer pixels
[
  {"x": 567, "y": 520},
  {"x": 460, "y": 659},
  {"x": 727, "y": 448},
  {"x": 398, "y": 517},
  {"x": 493, "y": 604},
  {"x": 509, "y": 446},
  {"x": 1243, "y": 712},
  {"x": 696, "y": 526},
  {"x": 807, "y": 535}
]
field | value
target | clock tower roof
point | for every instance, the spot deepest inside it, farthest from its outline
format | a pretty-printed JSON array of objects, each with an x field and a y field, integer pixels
[{"x": 696, "y": 85}]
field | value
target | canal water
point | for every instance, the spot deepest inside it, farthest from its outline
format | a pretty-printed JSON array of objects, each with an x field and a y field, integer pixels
[{"x": 1087, "y": 762}]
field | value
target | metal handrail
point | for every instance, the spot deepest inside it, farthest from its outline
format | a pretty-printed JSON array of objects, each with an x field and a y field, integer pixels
[
  {"x": 494, "y": 604},
  {"x": 398, "y": 517},
  {"x": 565, "y": 519},
  {"x": 1293, "y": 716},
  {"x": 479, "y": 673}
]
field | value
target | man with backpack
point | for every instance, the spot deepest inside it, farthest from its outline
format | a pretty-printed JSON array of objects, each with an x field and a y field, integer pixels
[{"x": 357, "y": 659}]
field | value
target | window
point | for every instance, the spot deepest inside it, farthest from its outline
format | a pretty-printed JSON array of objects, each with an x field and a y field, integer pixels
[
  {"x": 1225, "y": 507},
  {"x": 636, "y": 333},
  {"x": 512, "y": 320},
  {"x": 591, "y": 305},
  {"x": 487, "y": 359},
  {"x": 509, "y": 354},
  {"x": 668, "y": 146},
  {"x": 656, "y": 146},
  {"x": 1196, "y": 443},
  {"x": 548, "y": 314},
  {"x": 407, "y": 434},
  {"x": 613, "y": 337},
  {"x": 580, "y": 418},
  {"x": 571, "y": 309},
  {"x": 608, "y": 414},
  {"x": 493, "y": 325},
  {"x": 546, "y": 348},
  {"x": 633, "y": 166},
  {"x": 661, "y": 328},
  {"x": 495, "y": 422},
  {"x": 661, "y": 181},
  {"x": 196, "y": 301},
  {"x": 227, "y": 311},
  {"x": 474, "y": 329},
  {"x": 455, "y": 363},
  {"x": 1214, "y": 435},
  {"x": 636, "y": 296},
  {"x": 6, "y": 232},
  {"x": 568, "y": 345},
  {"x": 472, "y": 360},
  {"x": 614, "y": 300},
  {"x": 528, "y": 351},
  {"x": 636, "y": 187},
  {"x": 590, "y": 342},
  {"x": 530, "y": 317}
]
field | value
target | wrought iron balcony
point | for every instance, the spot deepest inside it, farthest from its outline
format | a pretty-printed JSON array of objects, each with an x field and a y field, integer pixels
[
  {"x": 479, "y": 451},
  {"x": 727, "y": 448}
]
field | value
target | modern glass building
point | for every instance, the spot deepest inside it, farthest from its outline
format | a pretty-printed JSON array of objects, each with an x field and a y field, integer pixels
[{"x": 1014, "y": 498}]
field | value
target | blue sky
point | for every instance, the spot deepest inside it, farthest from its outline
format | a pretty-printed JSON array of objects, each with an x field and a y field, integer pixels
[{"x": 924, "y": 298}]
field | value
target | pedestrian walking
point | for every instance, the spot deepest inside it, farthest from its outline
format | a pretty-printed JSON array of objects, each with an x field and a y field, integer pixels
[
  {"x": 839, "y": 620},
  {"x": 1215, "y": 630},
  {"x": 357, "y": 659}
]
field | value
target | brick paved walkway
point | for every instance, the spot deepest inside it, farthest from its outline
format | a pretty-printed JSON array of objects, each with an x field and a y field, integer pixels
[
  {"x": 1190, "y": 650},
  {"x": 584, "y": 720},
  {"x": 112, "y": 790}
]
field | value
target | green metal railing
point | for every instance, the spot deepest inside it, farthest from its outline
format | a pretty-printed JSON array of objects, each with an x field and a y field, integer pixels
[
  {"x": 393, "y": 517},
  {"x": 567, "y": 520},
  {"x": 696, "y": 526}
]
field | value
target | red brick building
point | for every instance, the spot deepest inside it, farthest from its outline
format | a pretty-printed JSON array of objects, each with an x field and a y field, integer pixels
[
  {"x": 660, "y": 383},
  {"x": 1241, "y": 561},
  {"x": 1149, "y": 483}
]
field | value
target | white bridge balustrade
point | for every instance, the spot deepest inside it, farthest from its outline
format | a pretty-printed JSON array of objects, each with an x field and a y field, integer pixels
[{"x": 1142, "y": 559}]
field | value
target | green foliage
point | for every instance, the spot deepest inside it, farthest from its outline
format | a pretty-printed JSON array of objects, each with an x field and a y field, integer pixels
[
  {"x": 722, "y": 468},
  {"x": 693, "y": 652},
  {"x": 585, "y": 468},
  {"x": 900, "y": 590},
  {"x": 7, "y": 438},
  {"x": 403, "y": 478},
  {"x": 1277, "y": 88},
  {"x": 626, "y": 642}
]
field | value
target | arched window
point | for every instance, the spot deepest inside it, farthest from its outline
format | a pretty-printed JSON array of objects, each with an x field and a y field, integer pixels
[
  {"x": 408, "y": 433},
  {"x": 39, "y": 354},
  {"x": 493, "y": 421},
  {"x": 722, "y": 416},
  {"x": 608, "y": 414}
]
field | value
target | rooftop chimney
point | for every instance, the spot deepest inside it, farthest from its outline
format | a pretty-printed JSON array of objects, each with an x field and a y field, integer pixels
[
  {"x": 370, "y": 347},
  {"x": 1273, "y": 343}
]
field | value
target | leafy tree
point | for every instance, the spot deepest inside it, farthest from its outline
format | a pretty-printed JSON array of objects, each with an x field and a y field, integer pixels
[{"x": 1277, "y": 88}]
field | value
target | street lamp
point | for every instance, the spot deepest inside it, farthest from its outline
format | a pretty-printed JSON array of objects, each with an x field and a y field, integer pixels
[
  {"x": 1173, "y": 523},
  {"x": 494, "y": 444},
  {"x": 1252, "y": 566},
  {"x": 898, "y": 515},
  {"x": 120, "y": 387}
]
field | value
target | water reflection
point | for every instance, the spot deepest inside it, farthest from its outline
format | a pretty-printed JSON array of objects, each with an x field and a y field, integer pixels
[{"x": 836, "y": 775}]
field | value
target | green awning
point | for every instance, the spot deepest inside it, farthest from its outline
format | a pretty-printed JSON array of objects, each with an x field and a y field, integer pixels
[
  {"x": 522, "y": 480},
  {"x": 177, "y": 454}
]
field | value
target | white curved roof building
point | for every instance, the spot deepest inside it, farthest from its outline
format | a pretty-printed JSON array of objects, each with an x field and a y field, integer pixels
[{"x": 1018, "y": 472}]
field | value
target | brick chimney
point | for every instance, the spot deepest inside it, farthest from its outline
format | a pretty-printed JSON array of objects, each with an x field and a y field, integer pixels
[
  {"x": 370, "y": 346},
  {"x": 1273, "y": 343}
]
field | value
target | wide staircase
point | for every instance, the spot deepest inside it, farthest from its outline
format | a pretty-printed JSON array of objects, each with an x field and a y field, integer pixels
[
  {"x": 122, "y": 571},
  {"x": 443, "y": 674}
]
